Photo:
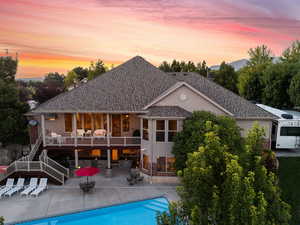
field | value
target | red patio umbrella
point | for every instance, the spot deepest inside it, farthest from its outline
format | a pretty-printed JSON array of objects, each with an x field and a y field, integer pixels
[
  {"x": 3, "y": 169},
  {"x": 87, "y": 172}
]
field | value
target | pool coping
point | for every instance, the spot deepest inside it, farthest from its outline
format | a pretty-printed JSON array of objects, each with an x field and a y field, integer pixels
[{"x": 88, "y": 209}]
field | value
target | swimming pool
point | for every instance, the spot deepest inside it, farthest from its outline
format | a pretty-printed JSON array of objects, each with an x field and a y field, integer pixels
[{"x": 134, "y": 213}]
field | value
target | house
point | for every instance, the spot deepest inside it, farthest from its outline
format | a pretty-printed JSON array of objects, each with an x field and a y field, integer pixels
[{"x": 132, "y": 112}]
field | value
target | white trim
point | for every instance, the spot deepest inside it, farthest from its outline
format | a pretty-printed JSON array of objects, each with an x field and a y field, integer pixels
[{"x": 180, "y": 84}]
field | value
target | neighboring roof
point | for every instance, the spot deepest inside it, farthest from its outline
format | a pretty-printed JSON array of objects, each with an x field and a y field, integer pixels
[
  {"x": 167, "y": 111},
  {"x": 136, "y": 83}
]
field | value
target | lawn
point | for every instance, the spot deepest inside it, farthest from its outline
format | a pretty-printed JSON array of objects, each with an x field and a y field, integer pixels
[{"x": 289, "y": 175}]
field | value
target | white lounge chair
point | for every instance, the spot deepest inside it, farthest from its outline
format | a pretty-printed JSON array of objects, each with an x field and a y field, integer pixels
[
  {"x": 42, "y": 186},
  {"x": 9, "y": 185},
  {"x": 17, "y": 188},
  {"x": 31, "y": 187}
]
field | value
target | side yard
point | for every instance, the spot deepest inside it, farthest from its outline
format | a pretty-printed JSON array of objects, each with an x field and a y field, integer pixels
[{"x": 289, "y": 174}]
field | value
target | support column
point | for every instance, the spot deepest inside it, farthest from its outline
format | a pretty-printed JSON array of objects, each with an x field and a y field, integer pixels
[
  {"x": 108, "y": 129},
  {"x": 74, "y": 129},
  {"x": 76, "y": 158},
  {"x": 108, "y": 159},
  {"x": 43, "y": 129}
]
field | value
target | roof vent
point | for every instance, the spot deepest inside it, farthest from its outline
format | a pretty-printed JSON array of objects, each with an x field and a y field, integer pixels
[
  {"x": 287, "y": 116},
  {"x": 185, "y": 74}
]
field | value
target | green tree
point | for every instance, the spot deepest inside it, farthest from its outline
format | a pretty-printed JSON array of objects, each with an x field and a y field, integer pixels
[
  {"x": 13, "y": 124},
  {"x": 227, "y": 77},
  {"x": 292, "y": 54},
  {"x": 81, "y": 72},
  {"x": 192, "y": 135},
  {"x": 165, "y": 66},
  {"x": 8, "y": 68},
  {"x": 96, "y": 69},
  {"x": 219, "y": 186},
  {"x": 71, "y": 79},
  {"x": 277, "y": 78},
  {"x": 1, "y": 220},
  {"x": 294, "y": 90},
  {"x": 52, "y": 86},
  {"x": 260, "y": 55}
]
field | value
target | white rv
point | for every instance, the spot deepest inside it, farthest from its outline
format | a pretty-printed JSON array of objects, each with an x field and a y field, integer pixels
[{"x": 286, "y": 130}]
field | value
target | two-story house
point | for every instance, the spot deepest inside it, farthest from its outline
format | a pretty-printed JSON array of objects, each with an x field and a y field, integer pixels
[{"x": 133, "y": 112}]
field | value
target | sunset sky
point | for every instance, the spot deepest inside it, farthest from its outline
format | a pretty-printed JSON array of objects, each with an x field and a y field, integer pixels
[{"x": 57, "y": 35}]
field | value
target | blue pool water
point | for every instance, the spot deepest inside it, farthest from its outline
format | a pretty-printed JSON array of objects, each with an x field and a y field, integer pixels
[{"x": 134, "y": 213}]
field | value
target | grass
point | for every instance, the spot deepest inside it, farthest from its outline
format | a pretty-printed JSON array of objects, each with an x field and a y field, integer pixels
[{"x": 289, "y": 178}]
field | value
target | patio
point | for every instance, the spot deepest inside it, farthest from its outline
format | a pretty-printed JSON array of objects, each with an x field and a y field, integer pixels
[{"x": 69, "y": 198}]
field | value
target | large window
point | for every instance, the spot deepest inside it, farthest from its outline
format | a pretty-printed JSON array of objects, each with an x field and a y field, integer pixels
[
  {"x": 290, "y": 131},
  {"x": 79, "y": 119},
  {"x": 87, "y": 121},
  {"x": 68, "y": 122},
  {"x": 160, "y": 130},
  {"x": 125, "y": 123},
  {"x": 172, "y": 129},
  {"x": 145, "y": 130},
  {"x": 161, "y": 164},
  {"x": 97, "y": 121}
]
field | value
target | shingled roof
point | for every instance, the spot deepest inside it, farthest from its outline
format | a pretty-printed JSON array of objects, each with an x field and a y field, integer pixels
[
  {"x": 134, "y": 84},
  {"x": 167, "y": 111}
]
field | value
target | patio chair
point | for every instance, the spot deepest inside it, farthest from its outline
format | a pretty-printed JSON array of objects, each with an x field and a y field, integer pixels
[
  {"x": 31, "y": 187},
  {"x": 42, "y": 187},
  {"x": 80, "y": 132},
  {"x": 134, "y": 177},
  {"x": 17, "y": 188},
  {"x": 9, "y": 185}
]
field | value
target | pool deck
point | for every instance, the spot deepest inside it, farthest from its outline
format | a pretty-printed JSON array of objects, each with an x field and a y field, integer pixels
[{"x": 69, "y": 198}]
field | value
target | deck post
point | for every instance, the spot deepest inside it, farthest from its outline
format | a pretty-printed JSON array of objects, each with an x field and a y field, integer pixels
[
  {"x": 76, "y": 158},
  {"x": 75, "y": 129},
  {"x": 43, "y": 129},
  {"x": 108, "y": 159},
  {"x": 108, "y": 129}
]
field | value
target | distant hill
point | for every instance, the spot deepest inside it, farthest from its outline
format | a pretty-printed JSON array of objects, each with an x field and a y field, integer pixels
[
  {"x": 239, "y": 64},
  {"x": 31, "y": 79}
]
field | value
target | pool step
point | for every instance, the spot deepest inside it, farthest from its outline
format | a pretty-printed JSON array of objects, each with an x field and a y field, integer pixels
[
  {"x": 154, "y": 208},
  {"x": 160, "y": 204}
]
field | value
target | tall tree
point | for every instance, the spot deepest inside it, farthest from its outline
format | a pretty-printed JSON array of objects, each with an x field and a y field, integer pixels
[
  {"x": 72, "y": 79},
  {"x": 222, "y": 187},
  {"x": 52, "y": 85},
  {"x": 292, "y": 54},
  {"x": 277, "y": 78},
  {"x": 294, "y": 90},
  {"x": 96, "y": 69},
  {"x": 192, "y": 135},
  {"x": 81, "y": 72},
  {"x": 8, "y": 68},
  {"x": 13, "y": 124},
  {"x": 260, "y": 55},
  {"x": 227, "y": 77}
]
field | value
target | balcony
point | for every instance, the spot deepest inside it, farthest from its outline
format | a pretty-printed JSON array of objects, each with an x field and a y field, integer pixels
[{"x": 92, "y": 141}]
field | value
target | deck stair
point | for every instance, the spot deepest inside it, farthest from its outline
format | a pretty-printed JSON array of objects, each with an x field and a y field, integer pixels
[{"x": 26, "y": 166}]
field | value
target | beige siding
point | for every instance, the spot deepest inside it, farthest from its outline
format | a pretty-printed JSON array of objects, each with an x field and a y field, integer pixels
[
  {"x": 57, "y": 126},
  {"x": 246, "y": 125},
  {"x": 192, "y": 102}
]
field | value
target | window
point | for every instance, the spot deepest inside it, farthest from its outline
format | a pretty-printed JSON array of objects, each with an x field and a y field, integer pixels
[
  {"x": 79, "y": 119},
  {"x": 68, "y": 122},
  {"x": 145, "y": 130},
  {"x": 97, "y": 121},
  {"x": 290, "y": 131},
  {"x": 160, "y": 130},
  {"x": 125, "y": 123},
  {"x": 172, "y": 129},
  {"x": 171, "y": 164},
  {"x": 161, "y": 164},
  {"x": 87, "y": 121}
]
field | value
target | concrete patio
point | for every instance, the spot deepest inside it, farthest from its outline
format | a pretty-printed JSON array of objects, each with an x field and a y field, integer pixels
[{"x": 69, "y": 198}]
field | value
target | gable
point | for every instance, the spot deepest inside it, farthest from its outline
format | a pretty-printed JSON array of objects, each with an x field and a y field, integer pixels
[{"x": 189, "y": 100}]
